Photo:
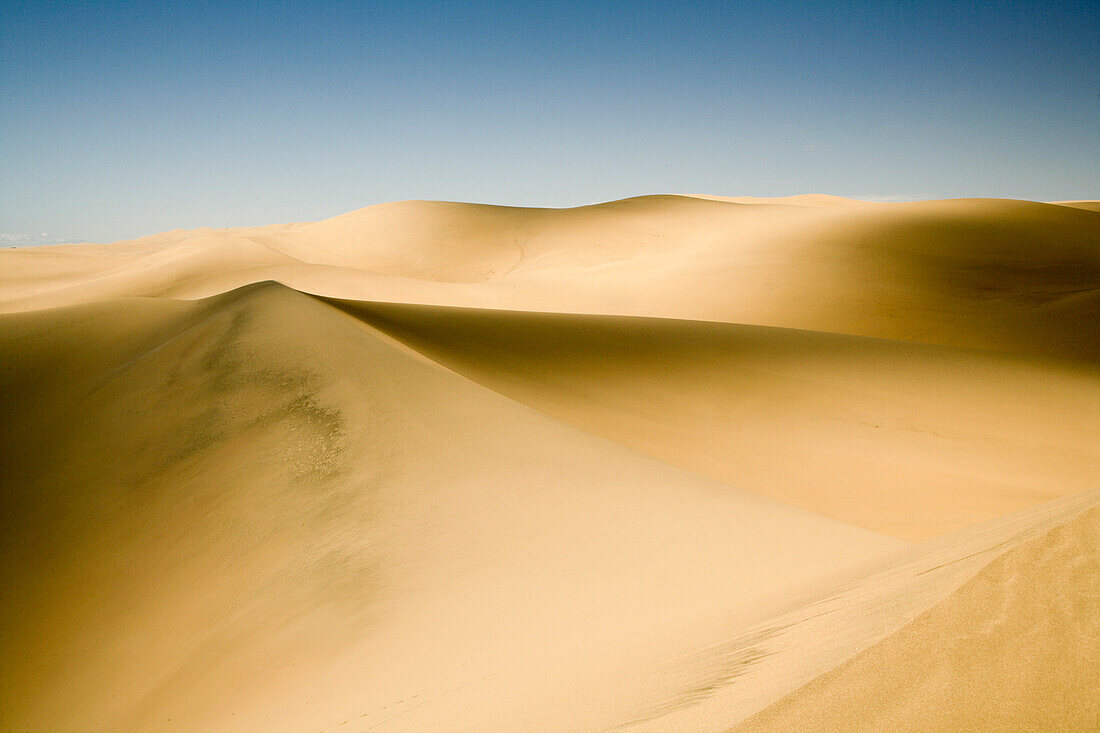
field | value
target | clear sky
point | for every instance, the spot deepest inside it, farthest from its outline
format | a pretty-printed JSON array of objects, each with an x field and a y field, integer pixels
[{"x": 125, "y": 118}]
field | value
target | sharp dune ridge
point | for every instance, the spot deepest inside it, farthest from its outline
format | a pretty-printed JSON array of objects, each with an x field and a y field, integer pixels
[
  {"x": 665, "y": 463},
  {"x": 735, "y": 402}
]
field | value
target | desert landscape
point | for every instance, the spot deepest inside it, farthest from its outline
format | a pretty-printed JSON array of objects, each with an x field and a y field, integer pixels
[{"x": 666, "y": 463}]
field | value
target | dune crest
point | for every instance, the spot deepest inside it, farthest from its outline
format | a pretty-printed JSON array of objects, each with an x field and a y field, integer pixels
[
  {"x": 806, "y": 199},
  {"x": 810, "y": 419}
]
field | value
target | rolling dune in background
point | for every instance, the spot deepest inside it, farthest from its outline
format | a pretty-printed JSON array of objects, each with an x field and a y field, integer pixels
[
  {"x": 653, "y": 464},
  {"x": 995, "y": 274}
]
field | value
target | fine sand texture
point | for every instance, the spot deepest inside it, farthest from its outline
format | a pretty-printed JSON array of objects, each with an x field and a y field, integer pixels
[
  {"x": 671, "y": 463},
  {"x": 1016, "y": 648}
]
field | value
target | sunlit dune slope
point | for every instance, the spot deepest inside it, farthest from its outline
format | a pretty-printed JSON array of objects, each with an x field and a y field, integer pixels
[
  {"x": 983, "y": 273},
  {"x": 905, "y": 439},
  {"x": 1086, "y": 205},
  {"x": 713, "y": 671},
  {"x": 805, "y": 199},
  {"x": 1016, "y": 648},
  {"x": 840, "y": 620},
  {"x": 256, "y": 512}
]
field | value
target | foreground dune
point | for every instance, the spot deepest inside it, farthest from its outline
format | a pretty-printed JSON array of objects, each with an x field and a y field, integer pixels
[
  {"x": 794, "y": 648},
  {"x": 1016, "y": 648},
  {"x": 215, "y": 501},
  {"x": 652, "y": 465}
]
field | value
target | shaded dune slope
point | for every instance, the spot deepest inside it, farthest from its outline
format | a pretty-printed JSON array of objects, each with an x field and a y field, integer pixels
[
  {"x": 905, "y": 439},
  {"x": 256, "y": 512}
]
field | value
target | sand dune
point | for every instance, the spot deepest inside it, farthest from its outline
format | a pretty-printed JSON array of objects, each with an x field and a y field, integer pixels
[
  {"x": 806, "y": 199},
  {"x": 648, "y": 464},
  {"x": 1086, "y": 205},
  {"x": 714, "y": 671},
  {"x": 995, "y": 274},
  {"x": 259, "y": 494},
  {"x": 842, "y": 619},
  {"x": 814, "y": 420},
  {"x": 1016, "y": 648}
]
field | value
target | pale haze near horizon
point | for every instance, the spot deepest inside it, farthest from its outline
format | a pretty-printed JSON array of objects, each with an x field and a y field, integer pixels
[{"x": 124, "y": 119}]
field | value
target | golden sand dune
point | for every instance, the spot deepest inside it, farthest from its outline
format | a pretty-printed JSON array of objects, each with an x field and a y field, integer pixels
[
  {"x": 645, "y": 464},
  {"x": 1086, "y": 205},
  {"x": 815, "y": 420},
  {"x": 1016, "y": 648},
  {"x": 807, "y": 199},
  {"x": 841, "y": 619},
  {"x": 219, "y": 500},
  {"x": 712, "y": 672},
  {"x": 984, "y": 273}
]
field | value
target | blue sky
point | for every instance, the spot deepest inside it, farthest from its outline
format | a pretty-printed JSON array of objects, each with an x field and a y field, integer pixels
[{"x": 122, "y": 119}]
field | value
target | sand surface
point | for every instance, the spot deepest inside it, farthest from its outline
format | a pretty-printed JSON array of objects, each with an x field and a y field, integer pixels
[
  {"x": 667, "y": 463},
  {"x": 810, "y": 419},
  {"x": 1016, "y": 648}
]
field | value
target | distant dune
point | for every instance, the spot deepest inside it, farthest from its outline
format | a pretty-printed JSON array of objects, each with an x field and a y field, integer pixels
[
  {"x": 807, "y": 199},
  {"x": 982, "y": 273},
  {"x": 652, "y": 464}
]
